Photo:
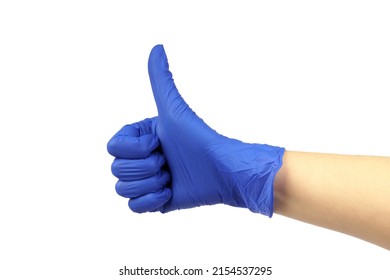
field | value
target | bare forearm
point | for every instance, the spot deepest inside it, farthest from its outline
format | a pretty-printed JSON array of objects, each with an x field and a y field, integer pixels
[{"x": 349, "y": 194}]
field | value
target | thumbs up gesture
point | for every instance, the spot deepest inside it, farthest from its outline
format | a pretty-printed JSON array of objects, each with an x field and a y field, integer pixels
[{"x": 176, "y": 161}]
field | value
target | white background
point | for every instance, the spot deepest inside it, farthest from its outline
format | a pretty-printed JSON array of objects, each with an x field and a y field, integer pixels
[{"x": 303, "y": 75}]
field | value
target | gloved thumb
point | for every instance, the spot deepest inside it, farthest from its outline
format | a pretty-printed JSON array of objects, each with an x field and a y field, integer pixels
[{"x": 166, "y": 95}]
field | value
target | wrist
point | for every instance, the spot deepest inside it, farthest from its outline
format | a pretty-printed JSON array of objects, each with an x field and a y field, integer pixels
[
  {"x": 280, "y": 194},
  {"x": 249, "y": 172}
]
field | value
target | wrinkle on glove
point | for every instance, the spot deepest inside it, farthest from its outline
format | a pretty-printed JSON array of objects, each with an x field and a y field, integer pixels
[{"x": 176, "y": 161}]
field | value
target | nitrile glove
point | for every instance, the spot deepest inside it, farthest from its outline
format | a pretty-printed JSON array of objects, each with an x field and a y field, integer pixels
[{"x": 176, "y": 161}]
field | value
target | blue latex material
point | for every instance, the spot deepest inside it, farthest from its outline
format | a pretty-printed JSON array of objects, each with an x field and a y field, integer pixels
[{"x": 176, "y": 161}]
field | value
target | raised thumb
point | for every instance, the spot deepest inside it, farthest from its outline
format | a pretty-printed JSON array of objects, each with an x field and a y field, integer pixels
[{"x": 166, "y": 95}]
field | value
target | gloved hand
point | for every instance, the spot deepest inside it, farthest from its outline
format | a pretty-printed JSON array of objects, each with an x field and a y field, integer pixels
[{"x": 176, "y": 161}]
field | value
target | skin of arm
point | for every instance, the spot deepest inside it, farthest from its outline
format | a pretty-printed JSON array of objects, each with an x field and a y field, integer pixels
[{"x": 348, "y": 194}]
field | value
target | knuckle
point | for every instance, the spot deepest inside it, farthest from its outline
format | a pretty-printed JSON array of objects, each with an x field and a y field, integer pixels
[{"x": 119, "y": 188}]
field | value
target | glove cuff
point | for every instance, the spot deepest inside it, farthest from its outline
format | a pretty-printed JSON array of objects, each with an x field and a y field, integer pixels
[
  {"x": 251, "y": 176},
  {"x": 258, "y": 194}
]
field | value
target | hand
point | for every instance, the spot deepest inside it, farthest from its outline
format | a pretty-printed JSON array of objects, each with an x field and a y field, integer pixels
[{"x": 176, "y": 161}]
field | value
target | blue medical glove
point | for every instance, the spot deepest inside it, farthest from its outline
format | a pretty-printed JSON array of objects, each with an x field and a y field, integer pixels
[{"x": 176, "y": 161}]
